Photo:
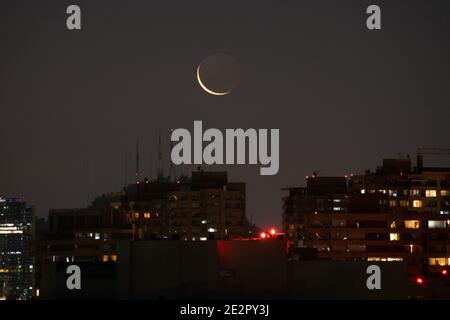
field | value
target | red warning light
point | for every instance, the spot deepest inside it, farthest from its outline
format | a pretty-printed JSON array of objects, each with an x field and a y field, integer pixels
[
  {"x": 420, "y": 281},
  {"x": 272, "y": 231},
  {"x": 444, "y": 272},
  {"x": 263, "y": 235}
]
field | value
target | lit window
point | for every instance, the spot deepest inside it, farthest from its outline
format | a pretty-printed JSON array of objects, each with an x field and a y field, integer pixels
[
  {"x": 363, "y": 191},
  {"x": 211, "y": 230},
  {"x": 438, "y": 261},
  {"x": 414, "y": 192},
  {"x": 114, "y": 258},
  {"x": 445, "y": 193},
  {"x": 375, "y": 259},
  {"x": 392, "y": 193},
  {"x": 202, "y": 238},
  {"x": 394, "y": 259},
  {"x": 430, "y": 193},
  {"x": 437, "y": 224},
  {"x": 147, "y": 215},
  {"x": 417, "y": 203},
  {"x": 393, "y": 225},
  {"x": 105, "y": 258},
  {"x": 136, "y": 215},
  {"x": 392, "y": 203},
  {"x": 412, "y": 224},
  {"x": 394, "y": 236},
  {"x": 97, "y": 236}
]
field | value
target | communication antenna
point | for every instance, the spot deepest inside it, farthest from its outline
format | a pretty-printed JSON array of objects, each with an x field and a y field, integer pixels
[
  {"x": 172, "y": 173},
  {"x": 160, "y": 169},
  {"x": 125, "y": 180}
]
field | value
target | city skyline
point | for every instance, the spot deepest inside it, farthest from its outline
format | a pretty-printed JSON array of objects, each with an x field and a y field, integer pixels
[{"x": 334, "y": 89}]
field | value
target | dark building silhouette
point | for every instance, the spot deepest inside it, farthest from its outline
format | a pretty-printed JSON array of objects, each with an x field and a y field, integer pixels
[
  {"x": 16, "y": 261},
  {"x": 207, "y": 206},
  {"x": 200, "y": 208}
]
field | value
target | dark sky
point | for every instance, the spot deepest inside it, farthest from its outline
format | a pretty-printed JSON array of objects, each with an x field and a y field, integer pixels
[{"x": 343, "y": 97}]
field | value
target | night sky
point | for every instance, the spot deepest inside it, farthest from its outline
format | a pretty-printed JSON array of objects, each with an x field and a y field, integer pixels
[{"x": 342, "y": 96}]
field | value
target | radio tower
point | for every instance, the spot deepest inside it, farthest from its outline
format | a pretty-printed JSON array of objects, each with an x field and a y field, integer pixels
[{"x": 160, "y": 169}]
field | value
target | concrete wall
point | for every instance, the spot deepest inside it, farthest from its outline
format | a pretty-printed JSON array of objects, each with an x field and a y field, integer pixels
[
  {"x": 252, "y": 269},
  {"x": 97, "y": 282},
  {"x": 222, "y": 270},
  {"x": 344, "y": 280},
  {"x": 166, "y": 269}
]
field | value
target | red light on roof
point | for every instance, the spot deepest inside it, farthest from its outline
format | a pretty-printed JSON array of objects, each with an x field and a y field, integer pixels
[
  {"x": 263, "y": 235},
  {"x": 306, "y": 177},
  {"x": 420, "y": 281},
  {"x": 272, "y": 231},
  {"x": 444, "y": 272}
]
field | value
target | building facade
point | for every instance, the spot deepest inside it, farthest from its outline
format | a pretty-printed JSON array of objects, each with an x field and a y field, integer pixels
[
  {"x": 16, "y": 261},
  {"x": 397, "y": 213}
]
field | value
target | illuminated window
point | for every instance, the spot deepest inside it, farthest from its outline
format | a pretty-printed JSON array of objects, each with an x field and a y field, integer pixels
[
  {"x": 438, "y": 261},
  {"x": 384, "y": 259},
  {"x": 412, "y": 224},
  {"x": 393, "y": 225},
  {"x": 394, "y": 236},
  {"x": 414, "y": 192},
  {"x": 392, "y": 193},
  {"x": 437, "y": 224},
  {"x": 430, "y": 193},
  {"x": 445, "y": 193},
  {"x": 404, "y": 203},
  {"x": 113, "y": 258},
  {"x": 417, "y": 203},
  {"x": 394, "y": 259},
  {"x": 136, "y": 215},
  {"x": 202, "y": 238},
  {"x": 97, "y": 236},
  {"x": 392, "y": 203},
  {"x": 147, "y": 215},
  {"x": 105, "y": 258},
  {"x": 363, "y": 191},
  {"x": 375, "y": 259}
]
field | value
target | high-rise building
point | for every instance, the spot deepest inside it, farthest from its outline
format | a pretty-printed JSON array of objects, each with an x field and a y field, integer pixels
[
  {"x": 16, "y": 261},
  {"x": 397, "y": 213},
  {"x": 206, "y": 206}
]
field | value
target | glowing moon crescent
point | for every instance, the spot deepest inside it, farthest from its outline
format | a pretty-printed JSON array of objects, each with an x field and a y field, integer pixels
[{"x": 205, "y": 88}]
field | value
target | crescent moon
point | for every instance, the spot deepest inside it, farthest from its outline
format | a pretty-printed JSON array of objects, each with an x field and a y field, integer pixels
[{"x": 205, "y": 88}]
